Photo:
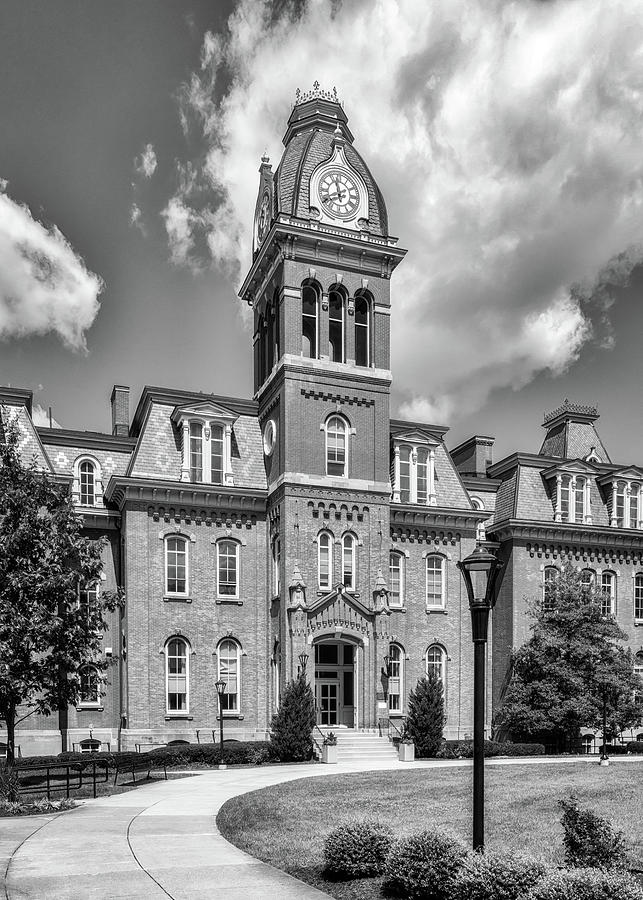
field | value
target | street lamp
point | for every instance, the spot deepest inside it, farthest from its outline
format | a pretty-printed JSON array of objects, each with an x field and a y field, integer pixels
[
  {"x": 303, "y": 662},
  {"x": 479, "y": 570},
  {"x": 220, "y": 686}
]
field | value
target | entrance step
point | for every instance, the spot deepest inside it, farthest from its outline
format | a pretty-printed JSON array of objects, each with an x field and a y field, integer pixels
[{"x": 361, "y": 746}]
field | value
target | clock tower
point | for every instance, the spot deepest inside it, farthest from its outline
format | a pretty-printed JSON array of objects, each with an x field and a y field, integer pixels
[{"x": 319, "y": 286}]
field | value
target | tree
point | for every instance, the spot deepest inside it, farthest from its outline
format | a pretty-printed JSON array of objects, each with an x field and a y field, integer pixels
[
  {"x": 292, "y": 726},
  {"x": 572, "y": 665},
  {"x": 425, "y": 719},
  {"x": 46, "y": 634}
]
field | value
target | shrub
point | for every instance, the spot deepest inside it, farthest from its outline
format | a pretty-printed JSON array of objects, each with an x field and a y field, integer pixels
[
  {"x": 614, "y": 749},
  {"x": 357, "y": 850},
  {"x": 425, "y": 719},
  {"x": 464, "y": 749},
  {"x": 585, "y": 884},
  {"x": 292, "y": 727},
  {"x": 497, "y": 876},
  {"x": 424, "y": 866},
  {"x": 635, "y": 747},
  {"x": 589, "y": 839},
  {"x": 8, "y": 784}
]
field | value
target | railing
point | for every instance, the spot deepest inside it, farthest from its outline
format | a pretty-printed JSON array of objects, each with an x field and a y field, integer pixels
[
  {"x": 389, "y": 729},
  {"x": 61, "y": 777},
  {"x": 318, "y": 744}
]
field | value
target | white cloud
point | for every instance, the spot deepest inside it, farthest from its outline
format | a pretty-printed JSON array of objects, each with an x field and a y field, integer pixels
[
  {"x": 145, "y": 164},
  {"x": 505, "y": 139},
  {"x": 40, "y": 417},
  {"x": 44, "y": 285}
]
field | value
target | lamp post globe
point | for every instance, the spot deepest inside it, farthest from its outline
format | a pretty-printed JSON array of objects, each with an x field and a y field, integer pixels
[{"x": 479, "y": 570}]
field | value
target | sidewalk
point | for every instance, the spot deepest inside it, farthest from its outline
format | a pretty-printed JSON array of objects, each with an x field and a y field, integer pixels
[{"x": 161, "y": 841}]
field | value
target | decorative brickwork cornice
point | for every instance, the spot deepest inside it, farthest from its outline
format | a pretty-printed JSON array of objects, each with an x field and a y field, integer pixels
[
  {"x": 193, "y": 497},
  {"x": 411, "y": 515},
  {"x": 619, "y": 540},
  {"x": 337, "y": 398}
]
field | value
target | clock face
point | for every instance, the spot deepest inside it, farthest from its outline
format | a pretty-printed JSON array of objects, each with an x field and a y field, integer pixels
[
  {"x": 264, "y": 217},
  {"x": 269, "y": 436},
  {"x": 339, "y": 194}
]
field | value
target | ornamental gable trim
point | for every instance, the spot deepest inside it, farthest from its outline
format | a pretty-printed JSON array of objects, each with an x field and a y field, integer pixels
[{"x": 205, "y": 410}]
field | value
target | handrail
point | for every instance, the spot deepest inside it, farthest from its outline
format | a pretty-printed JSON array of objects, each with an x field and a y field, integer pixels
[{"x": 315, "y": 741}]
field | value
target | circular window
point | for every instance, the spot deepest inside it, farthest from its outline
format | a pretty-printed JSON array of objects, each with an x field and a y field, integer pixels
[{"x": 269, "y": 436}]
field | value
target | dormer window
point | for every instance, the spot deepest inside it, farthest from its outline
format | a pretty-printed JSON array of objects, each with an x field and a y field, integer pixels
[
  {"x": 206, "y": 430},
  {"x": 572, "y": 499},
  {"x": 414, "y": 470},
  {"x": 626, "y": 504},
  {"x": 87, "y": 486}
]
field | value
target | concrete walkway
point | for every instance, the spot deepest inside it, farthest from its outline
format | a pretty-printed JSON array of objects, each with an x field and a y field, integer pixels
[{"x": 161, "y": 841}]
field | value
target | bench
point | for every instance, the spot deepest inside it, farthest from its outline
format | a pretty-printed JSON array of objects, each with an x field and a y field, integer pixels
[{"x": 143, "y": 764}]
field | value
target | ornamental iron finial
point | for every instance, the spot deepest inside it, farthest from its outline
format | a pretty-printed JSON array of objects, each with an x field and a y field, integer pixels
[
  {"x": 317, "y": 93},
  {"x": 580, "y": 409}
]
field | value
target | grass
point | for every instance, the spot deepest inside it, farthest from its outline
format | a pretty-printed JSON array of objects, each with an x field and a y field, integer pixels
[{"x": 285, "y": 825}]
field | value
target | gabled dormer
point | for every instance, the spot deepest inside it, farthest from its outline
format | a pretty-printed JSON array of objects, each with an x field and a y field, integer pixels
[
  {"x": 624, "y": 490},
  {"x": 206, "y": 440},
  {"x": 413, "y": 474},
  {"x": 569, "y": 486}
]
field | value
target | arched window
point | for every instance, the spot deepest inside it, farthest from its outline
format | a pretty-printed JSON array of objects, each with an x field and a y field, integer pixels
[
  {"x": 620, "y": 504},
  {"x": 362, "y": 338},
  {"x": 336, "y": 446},
  {"x": 276, "y": 566},
  {"x": 89, "y": 686},
  {"x": 422, "y": 475},
  {"x": 587, "y": 579},
  {"x": 336, "y": 312},
  {"x": 481, "y": 533},
  {"x": 349, "y": 574},
  {"x": 395, "y": 677},
  {"x": 227, "y": 569},
  {"x": 405, "y": 474},
  {"x": 216, "y": 454},
  {"x": 176, "y": 565},
  {"x": 565, "y": 490},
  {"x": 87, "y": 483},
  {"x": 325, "y": 559},
  {"x": 309, "y": 313},
  {"x": 550, "y": 574},
  {"x": 436, "y": 662},
  {"x": 196, "y": 451},
  {"x": 608, "y": 590},
  {"x": 638, "y": 596},
  {"x": 634, "y": 506},
  {"x": 396, "y": 578},
  {"x": 579, "y": 499},
  {"x": 229, "y": 670},
  {"x": 177, "y": 662},
  {"x": 435, "y": 593}
]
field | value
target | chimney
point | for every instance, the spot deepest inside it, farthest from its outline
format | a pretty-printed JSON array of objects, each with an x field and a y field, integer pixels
[
  {"x": 474, "y": 455},
  {"x": 120, "y": 410}
]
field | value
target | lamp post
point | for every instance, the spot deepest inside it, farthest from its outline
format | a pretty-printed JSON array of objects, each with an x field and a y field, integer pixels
[
  {"x": 220, "y": 686},
  {"x": 303, "y": 662},
  {"x": 484, "y": 567}
]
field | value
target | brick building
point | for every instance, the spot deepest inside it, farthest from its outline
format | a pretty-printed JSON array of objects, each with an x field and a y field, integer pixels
[{"x": 305, "y": 520}]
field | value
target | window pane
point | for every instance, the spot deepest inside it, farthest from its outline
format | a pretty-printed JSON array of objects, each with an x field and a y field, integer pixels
[
  {"x": 361, "y": 332},
  {"x": 579, "y": 500},
  {"x": 435, "y": 661},
  {"x": 395, "y": 579},
  {"x": 564, "y": 499},
  {"x": 550, "y": 575},
  {"x": 434, "y": 581},
  {"x": 348, "y": 562},
  {"x": 177, "y": 672},
  {"x": 196, "y": 451},
  {"x": 638, "y": 597},
  {"x": 309, "y": 322},
  {"x": 336, "y": 326},
  {"x": 634, "y": 506},
  {"x": 608, "y": 588},
  {"x": 229, "y": 672},
  {"x": 176, "y": 563},
  {"x": 227, "y": 556},
  {"x": 324, "y": 561},
  {"x": 216, "y": 454},
  {"x": 88, "y": 601},
  {"x": 405, "y": 475},
  {"x": 422, "y": 475},
  {"x": 89, "y": 685},
  {"x": 620, "y": 506},
  {"x": 336, "y": 446},
  {"x": 87, "y": 489}
]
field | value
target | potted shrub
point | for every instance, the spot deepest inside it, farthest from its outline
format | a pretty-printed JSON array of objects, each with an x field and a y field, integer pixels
[
  {"x": 329, "y": 748},
  {"x": 406, "y": 747}
]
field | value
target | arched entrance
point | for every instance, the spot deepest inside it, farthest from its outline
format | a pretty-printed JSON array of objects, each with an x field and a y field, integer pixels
[{"x": 336, "y": 683}]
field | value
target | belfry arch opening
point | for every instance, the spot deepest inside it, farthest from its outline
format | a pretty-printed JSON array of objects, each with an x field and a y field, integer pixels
[{"x": 336, "y": 689}]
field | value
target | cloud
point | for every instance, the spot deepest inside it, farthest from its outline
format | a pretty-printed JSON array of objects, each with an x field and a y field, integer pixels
[
  {"x": 505, "y": 139},
  {"x": 44, "y": 285},
  {"x": 40, "y": 417},
  {"x": 145, "y": 164}
]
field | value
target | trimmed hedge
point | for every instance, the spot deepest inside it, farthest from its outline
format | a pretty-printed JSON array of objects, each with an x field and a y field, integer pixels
[
  {"x": 424, "y": 866},
  {"x": 590, "y": 839},
  {"x": 614, "y": 749},
  {"x": 464, "y": 749},
  {"x": 635, "y": 747},
  {"x": 234, "y": 753},
  {"x": 357, "y": 850},
  {"x": 585, "y": 884},
  {"x": 497, "y": 876}
]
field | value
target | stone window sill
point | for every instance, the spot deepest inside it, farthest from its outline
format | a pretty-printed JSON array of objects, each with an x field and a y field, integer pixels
[
  {"x": 431, "y": 610},
  {"x": 230, "y": 601},
  {"x": 176, "y": 598},
  {"x": 170, "y": 717},
  {"x": 227, "y": 716},
  {"x": 401, "y": 609},
  {"x": 90, "y": 707}
]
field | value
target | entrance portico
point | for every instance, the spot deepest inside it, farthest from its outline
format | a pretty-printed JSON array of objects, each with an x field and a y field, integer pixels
[{"x": 335, "y": 683}]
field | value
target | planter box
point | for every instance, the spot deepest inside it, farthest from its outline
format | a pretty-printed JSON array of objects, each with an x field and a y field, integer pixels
[
  {"x": 406, "y": 752},
  {"x": 329, "y": 753}
]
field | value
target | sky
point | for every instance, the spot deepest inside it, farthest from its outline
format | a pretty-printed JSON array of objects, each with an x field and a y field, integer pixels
[{"x": 505, "y": 137}]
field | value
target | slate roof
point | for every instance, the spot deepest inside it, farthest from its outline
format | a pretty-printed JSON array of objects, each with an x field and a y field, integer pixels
[
  {"x": 29, "y": 444},
  {"x": 449, "y": 490}
]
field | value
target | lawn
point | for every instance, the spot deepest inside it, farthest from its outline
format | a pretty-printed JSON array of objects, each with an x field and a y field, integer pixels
[{"x": 285, "y": 825}]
